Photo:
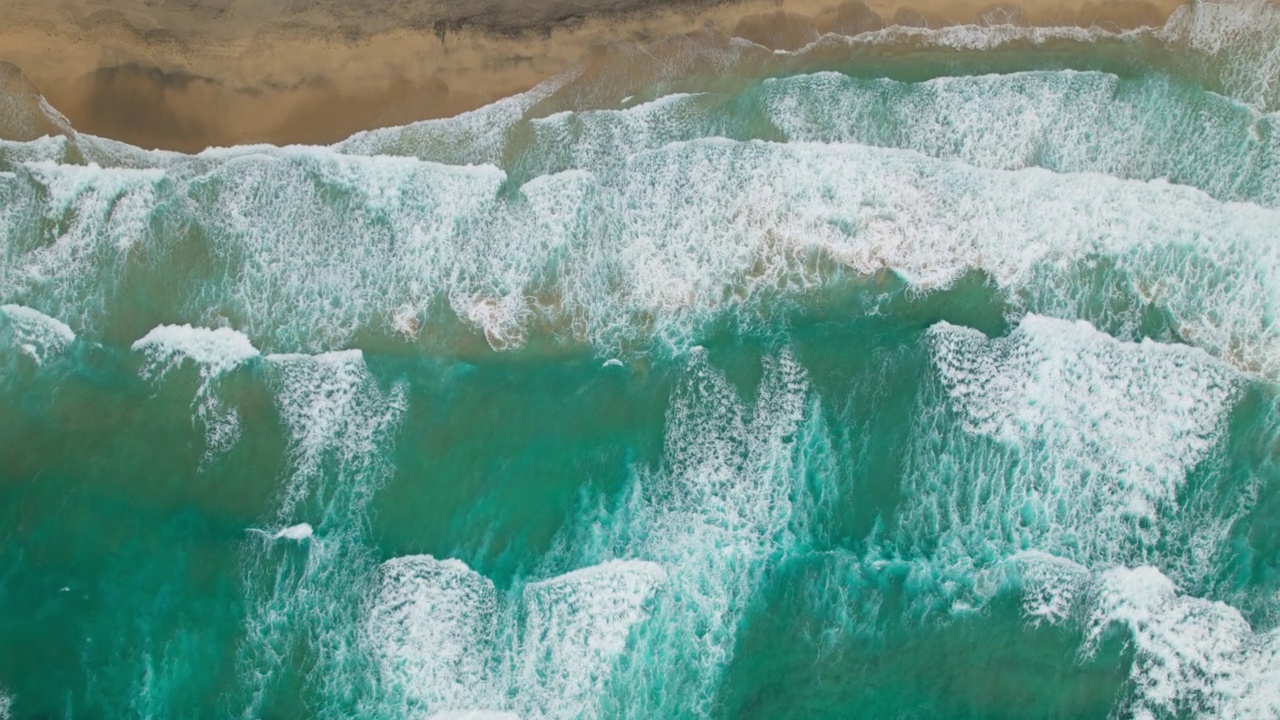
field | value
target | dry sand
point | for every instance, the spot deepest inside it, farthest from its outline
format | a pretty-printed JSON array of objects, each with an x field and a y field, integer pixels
[{"x": 186, "y": 74}]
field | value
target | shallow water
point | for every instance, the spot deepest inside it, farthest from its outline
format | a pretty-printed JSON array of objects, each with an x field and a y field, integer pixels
[{"x": 919, "y": 374}]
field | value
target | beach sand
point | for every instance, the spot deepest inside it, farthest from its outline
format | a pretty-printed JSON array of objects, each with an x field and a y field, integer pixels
[{"x": 187, "y": 74}]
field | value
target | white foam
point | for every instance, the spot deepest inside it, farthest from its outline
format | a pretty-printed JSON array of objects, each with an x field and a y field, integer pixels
[
  {"x": 216, "y": 350},
  {"x": 35, "y": 334},
  {"x": 872, "y": 209},
  {"x": 1194, "y": 657},
  {"x": 110, "y": 201},
  {"x": 471, "y": 137},
  {"x": 1241, "y": 38},
  {"x": 335, "y": 412},
  {"x": 725, "y": 503},
  {"x": 50, "y": 148},
  {"x": 445, "y": 645},
  {"x": 340, "y": 425},
  {"x": 1147, "y": 410},
  {"x": 412, "y": 218},
  {"x": 338, "y": 420},
  {"x": 1051, "y": 586},
  {"x": 6, "y": 705},
  {"x": 677, "y": 235},
  {"x": 1062, "y": 120},
  {"x": 75, "y": 235},
  {"x": 576, "y": 625},
  {"x": 113, "y": 153},
  {"x": 301, "y": 531},
  {"x": 433, "y": 624},
  {"x": 296, "y": 533},
  {"x": 969, "y": 37},
  {"x": 601, "y": 140},
  {"x": 1076, "y": 443},
  {"x": 728, "y": 460}
]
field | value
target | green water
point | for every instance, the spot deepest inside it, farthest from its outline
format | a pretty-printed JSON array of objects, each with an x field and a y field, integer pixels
[{"x": 925, "y": 374}]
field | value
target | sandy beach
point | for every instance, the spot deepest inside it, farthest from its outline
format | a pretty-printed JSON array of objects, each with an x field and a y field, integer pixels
[{"x": 187, "y": 74}]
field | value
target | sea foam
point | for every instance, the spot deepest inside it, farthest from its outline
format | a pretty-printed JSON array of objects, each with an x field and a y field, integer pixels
[
  {"x": 576, "y": 626},
  {"x": 1077, "y": 444},
  {"x": 725, "y": 502},
  {"x": 434, "y": 628},
  {"x": 33, "y": 333},
  {"x": 304, "y": 599},
  {"x": 446, "y": 646},
  {"x": 215, "y": 352},
  {"x": 1194, "y": 656},
  {"x": 1064, "y": 120},
  {"x": 648, "y": 247}
]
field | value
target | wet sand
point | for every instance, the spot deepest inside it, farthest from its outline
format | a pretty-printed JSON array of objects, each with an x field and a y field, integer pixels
[{"x": 187, "y": 74}]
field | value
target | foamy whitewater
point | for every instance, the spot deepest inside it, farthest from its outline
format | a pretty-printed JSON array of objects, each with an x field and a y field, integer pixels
[{"x": 923, "y": 373}]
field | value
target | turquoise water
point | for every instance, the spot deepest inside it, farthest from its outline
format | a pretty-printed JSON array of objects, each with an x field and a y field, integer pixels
[{"x": 924, "y": 374}]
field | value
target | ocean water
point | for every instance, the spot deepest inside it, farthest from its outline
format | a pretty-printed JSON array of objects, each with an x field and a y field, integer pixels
[{"x": 920, "y": 374}]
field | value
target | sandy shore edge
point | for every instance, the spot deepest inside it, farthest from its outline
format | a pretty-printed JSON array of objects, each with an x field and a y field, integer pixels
[{"x": 187, "y": 74}]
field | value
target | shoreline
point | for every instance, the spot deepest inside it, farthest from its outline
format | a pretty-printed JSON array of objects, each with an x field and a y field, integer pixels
[{"x": 188, "y": 75}]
